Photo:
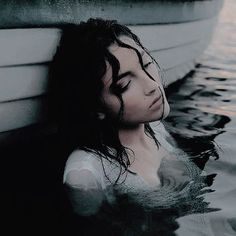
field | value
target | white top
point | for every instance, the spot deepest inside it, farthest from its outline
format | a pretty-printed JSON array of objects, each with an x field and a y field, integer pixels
[
  {"x": 88, "y": 185},
  {"x": 181, "y": 179}
]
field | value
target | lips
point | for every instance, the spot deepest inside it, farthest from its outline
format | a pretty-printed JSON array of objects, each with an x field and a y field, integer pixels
[{"x": 154, "y": 101}]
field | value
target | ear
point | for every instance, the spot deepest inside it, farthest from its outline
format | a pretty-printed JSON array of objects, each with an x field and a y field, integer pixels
[{"x": 101, "y": 116}]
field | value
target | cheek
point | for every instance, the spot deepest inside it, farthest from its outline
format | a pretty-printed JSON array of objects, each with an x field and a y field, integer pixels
[
  {"x": 112, "y": 104},
  {"x": 131, "y": 103},
  {"x": 133, "y": 106}
]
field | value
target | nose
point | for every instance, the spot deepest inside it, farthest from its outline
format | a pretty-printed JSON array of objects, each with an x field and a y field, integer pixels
[
  {"x": 150, "y": 86},
  {"x": 151, "y": 92}
]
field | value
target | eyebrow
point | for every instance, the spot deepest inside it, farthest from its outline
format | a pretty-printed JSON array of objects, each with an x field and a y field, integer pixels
[
  {"x": 128, "y": 72},
  {"x": 124, "y": 75}
]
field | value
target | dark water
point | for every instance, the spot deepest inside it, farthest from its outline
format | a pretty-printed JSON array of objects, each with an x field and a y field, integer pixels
[{"x": 203, "y": 121}]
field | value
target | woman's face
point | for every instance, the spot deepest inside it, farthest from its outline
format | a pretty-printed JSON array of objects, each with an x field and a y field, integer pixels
[{"x": 139, "y": 91}]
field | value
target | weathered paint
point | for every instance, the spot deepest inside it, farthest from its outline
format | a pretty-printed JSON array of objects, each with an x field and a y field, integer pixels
[{"x": 27, "y": 13}]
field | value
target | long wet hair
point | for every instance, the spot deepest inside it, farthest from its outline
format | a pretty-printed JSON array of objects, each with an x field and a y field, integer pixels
[{"x": 75, "y": 87}]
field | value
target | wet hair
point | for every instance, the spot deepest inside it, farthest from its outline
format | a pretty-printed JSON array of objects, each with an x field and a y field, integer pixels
[{"x": 75, "y": 87}]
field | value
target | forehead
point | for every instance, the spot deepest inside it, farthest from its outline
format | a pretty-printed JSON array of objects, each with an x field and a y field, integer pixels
[
  {"x": 124, "y": 55},
  {"x": 118, "y": 51}
]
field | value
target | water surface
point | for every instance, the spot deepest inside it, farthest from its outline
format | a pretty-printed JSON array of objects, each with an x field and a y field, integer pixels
[{"x": 203, "y": 121}]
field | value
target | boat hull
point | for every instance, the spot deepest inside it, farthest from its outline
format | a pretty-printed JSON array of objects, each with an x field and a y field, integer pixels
[{"x": 176, "y": 44}]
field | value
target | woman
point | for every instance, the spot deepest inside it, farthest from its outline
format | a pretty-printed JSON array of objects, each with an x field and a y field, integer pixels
[{"x": 107, "y": 89}]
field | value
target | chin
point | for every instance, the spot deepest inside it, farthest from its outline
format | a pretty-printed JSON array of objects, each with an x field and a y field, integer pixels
[
  {"x": 166, "y": 113},
  {"x": 166, "y": 110}
]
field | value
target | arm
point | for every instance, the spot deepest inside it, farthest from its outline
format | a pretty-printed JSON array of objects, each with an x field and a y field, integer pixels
[{"x": 85, "y": 192}]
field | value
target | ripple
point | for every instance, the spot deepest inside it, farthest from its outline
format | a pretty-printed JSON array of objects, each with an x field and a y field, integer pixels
[
  {"x": 215, "y": 78},
  {"x": 209, "y": 94},
  {"x": 204, "y": 117}
]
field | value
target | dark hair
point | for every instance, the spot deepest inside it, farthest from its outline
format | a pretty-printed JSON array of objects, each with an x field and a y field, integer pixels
[{"x": 75, "y": 86}]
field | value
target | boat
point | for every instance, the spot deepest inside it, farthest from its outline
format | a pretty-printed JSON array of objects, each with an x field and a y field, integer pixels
[{"x": 176, "y": 32}]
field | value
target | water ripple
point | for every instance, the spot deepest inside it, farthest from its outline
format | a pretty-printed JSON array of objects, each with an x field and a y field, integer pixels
[{"x": 203, "y": 121}]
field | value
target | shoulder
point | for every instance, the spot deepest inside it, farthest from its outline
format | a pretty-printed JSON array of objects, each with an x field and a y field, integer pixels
[
  {"x": 84, "y": 179},
  {"x": 78, "y": 155},
  {"x": 80, "y": 159},
  {"x": 81, "y": 167}
]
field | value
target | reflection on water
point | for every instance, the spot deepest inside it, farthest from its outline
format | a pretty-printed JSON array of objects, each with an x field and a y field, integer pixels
[{"x": 203, "y": 120}]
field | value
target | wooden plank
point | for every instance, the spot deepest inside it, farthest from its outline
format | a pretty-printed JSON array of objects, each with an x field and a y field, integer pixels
[
  {"x": 22, "y": 82},
  {"x": 28, "y": 81},
  {"x": 30, "y": 13},
  {"x": 160, "y": 37},
  {"x": 22, "y": 113},
  {"x": 179, "y": 55},
  {"x": 27, "y": 46}
]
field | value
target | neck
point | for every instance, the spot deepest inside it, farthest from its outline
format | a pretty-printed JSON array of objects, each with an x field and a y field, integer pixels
[{"x": 134, "y": 136}]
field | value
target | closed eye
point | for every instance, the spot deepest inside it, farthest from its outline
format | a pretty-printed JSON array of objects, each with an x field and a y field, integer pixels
[
  {"x": 146, "y": 65},
  {"x": 120, "y": 88}
]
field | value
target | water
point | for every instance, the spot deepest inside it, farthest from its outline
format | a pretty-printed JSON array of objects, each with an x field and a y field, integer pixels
[{"x": 203, "y": 121}]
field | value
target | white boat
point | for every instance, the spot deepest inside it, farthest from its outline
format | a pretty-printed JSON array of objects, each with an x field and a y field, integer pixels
[{"x": 175, "y": 32}]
